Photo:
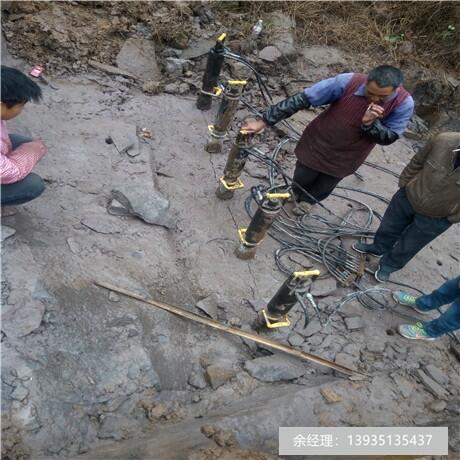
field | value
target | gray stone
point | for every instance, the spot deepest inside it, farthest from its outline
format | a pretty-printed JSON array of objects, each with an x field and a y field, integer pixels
[
  {"x": 137, "y": 56},
  {"x": 346, "y": 360},
  {"x": 235, "y": 321},
  {"x": 117, "y": 427},
  {"x": 7, "y": 232},
  {"x": 23, "y": 317},
  {"x": 431, "y": 385},
  {"x": 282, "y": 33},
  {"x": 296, "y": 340},
  {"x": 318, "y": 55},
  {"x": 274, "y": 368},
  {"x": 376, "y": 346},
  {"x": 258, "y": 304},
  {"x": 352, "y": 349},
  {"x": 196, "y": 379},
  {"x": 145, "y": 203},
  {"x": 209, "y": 306},
  {"x": 171, "y": 88},
  {"x": 217, "y": 375},
  {"x": 351, "y": 309},
  {"x": 100, "y": 224},
  {"x": 249, "y": 343},
  {"x": 198, "y": 48},
  {"x": 438, "y": 406},
  {"x": 114, "y": 297},
  {"x": 270, "y": 54},
  {"x": 176, "y": 67},
  {"x": 20, "y": 393},
  {"x": 437, "y": 374},
  {"x": 151, "y": 87},
  {"x": 313, "y": 327},
  {"x": 354, "y": 323},
  {"x": 73, "y": 245},
  {"x": 125, "y": 139},
  {"x": 323, "y": 287},
  {"x": 183, "y": 88}
]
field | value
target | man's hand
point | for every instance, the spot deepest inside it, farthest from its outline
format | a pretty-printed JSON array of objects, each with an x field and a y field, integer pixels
[
  {"x": 253, "y": 126},
  {"x": 372, "y": 113}
]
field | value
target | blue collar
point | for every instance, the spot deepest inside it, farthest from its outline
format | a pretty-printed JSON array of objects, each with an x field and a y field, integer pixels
[{"x": 361, "y": 92}]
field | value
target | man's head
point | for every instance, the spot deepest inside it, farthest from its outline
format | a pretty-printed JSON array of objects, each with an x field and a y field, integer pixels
[
  {"x": 382, "y": 82},
  {"x": 17, "y": 90}
]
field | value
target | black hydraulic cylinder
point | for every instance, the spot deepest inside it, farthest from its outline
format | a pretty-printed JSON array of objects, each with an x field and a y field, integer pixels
[
  {"x": 211, "y": 75},
  {"x": 284, "y": 300},
  {"x": 236, "y": 160},
  {"x": 262, "y": 221}
]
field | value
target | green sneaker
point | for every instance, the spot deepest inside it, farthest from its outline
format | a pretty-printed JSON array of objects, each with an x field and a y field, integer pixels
[
  {"x": 403, "y": 298},
  {"x": 414, "y": 331}
]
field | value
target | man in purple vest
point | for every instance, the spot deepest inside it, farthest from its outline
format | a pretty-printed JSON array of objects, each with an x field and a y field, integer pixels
[{"x": 363, "y": 111}]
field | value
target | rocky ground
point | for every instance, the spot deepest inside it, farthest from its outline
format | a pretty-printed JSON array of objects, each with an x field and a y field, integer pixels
[{"x": 89, "y": 374}]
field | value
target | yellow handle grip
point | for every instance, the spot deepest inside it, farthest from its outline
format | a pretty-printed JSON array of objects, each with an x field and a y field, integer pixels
[
  {"x": 280, "y": 196},
  {"x": 222, "y": 37},
  {"x": 306, "y": 274},
  {"x": 217, "y": 90},
  {"x": 237, "y": 82}
]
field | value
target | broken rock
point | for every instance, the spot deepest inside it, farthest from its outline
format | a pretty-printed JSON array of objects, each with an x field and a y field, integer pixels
[
  {"x": 217, "y": 375},
  {"x": 282, "y": 33},
  {"x": 151, "y": 87},
  {"x": 23, "y": 317},
  {"x": 125, "y": 139},
  {"x": 209, "y": 306},
  {"x": 275, "y": 368},
  {"x": 176, "y": 67},
  {"x": 7, "y": 232},
  {"x": 145, "y": 203},
  {"x": 437, "y": 374},
  {"x": 354, "y": 323},
  {"x": 323, "y": 287},
  {"x": 432, "y": 386},
  {"x": 270, "y": 54},
  {"x": 330, "y": 395},
  {"x": 137, "y": 56}
]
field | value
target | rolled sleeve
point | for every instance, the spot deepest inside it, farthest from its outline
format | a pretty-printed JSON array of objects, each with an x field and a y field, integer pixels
[
  {"x": 329, "y": 90},
  {"x": 398, "y": 119}
]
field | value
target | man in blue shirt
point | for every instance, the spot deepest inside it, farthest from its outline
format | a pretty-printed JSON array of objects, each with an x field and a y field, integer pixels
[{"x": 364, "y": 110}]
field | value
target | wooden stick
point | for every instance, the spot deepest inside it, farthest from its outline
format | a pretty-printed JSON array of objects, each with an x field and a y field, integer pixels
[{"x": 235, "y": 331}]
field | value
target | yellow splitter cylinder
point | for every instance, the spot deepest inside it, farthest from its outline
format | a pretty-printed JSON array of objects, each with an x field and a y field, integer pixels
[
  {"x": 276, "y": 313},
  {"x": 261, "y": 222}
]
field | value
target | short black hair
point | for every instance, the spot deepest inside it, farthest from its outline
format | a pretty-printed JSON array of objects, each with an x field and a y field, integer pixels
[
  {"x": 386, "y": 75},
  {"x": 18, "y": 88}
]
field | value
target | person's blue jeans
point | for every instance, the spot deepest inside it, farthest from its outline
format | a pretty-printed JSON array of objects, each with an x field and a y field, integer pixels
[
  {"x": 24, "y": 190},
  {"x": 449, "y": 321},
  {"x": 403, "y": 232}
]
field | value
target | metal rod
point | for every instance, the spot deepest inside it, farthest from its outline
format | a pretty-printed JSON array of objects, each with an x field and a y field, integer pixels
[{"x": 234, "y": 331}]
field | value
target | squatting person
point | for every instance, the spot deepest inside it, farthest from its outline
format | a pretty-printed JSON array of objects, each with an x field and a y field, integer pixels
[
  {"x": 426, "y": 205},
  {"x": 18, "y": 154},
  {"x": 363, "y": 111}
]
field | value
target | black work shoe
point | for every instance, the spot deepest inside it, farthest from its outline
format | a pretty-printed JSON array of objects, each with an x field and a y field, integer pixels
[
  {"x": 382, "y": 275},
  {"x": 364, "y": 248}
]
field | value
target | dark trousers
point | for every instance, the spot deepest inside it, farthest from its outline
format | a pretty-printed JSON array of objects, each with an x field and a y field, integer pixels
[
  {"x": 317, "y": 184},
  {"x": 449, "y": 321},
  {"x": 26, "y": 189},
  {"x": 403, "y": 232}
]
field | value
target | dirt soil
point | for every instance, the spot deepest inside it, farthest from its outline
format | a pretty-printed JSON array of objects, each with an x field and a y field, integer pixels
[{"x": 87, "y": 374}]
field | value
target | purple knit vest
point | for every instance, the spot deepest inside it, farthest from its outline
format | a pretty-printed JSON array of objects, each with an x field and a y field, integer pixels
[{"x": 333, "y": 142}]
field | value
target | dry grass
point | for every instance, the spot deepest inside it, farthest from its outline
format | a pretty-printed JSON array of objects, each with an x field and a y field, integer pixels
[{"x": 384, "y": 31}]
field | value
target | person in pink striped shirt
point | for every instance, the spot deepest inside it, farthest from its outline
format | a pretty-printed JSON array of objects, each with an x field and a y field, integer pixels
[{"x": 18, "y": 154}]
